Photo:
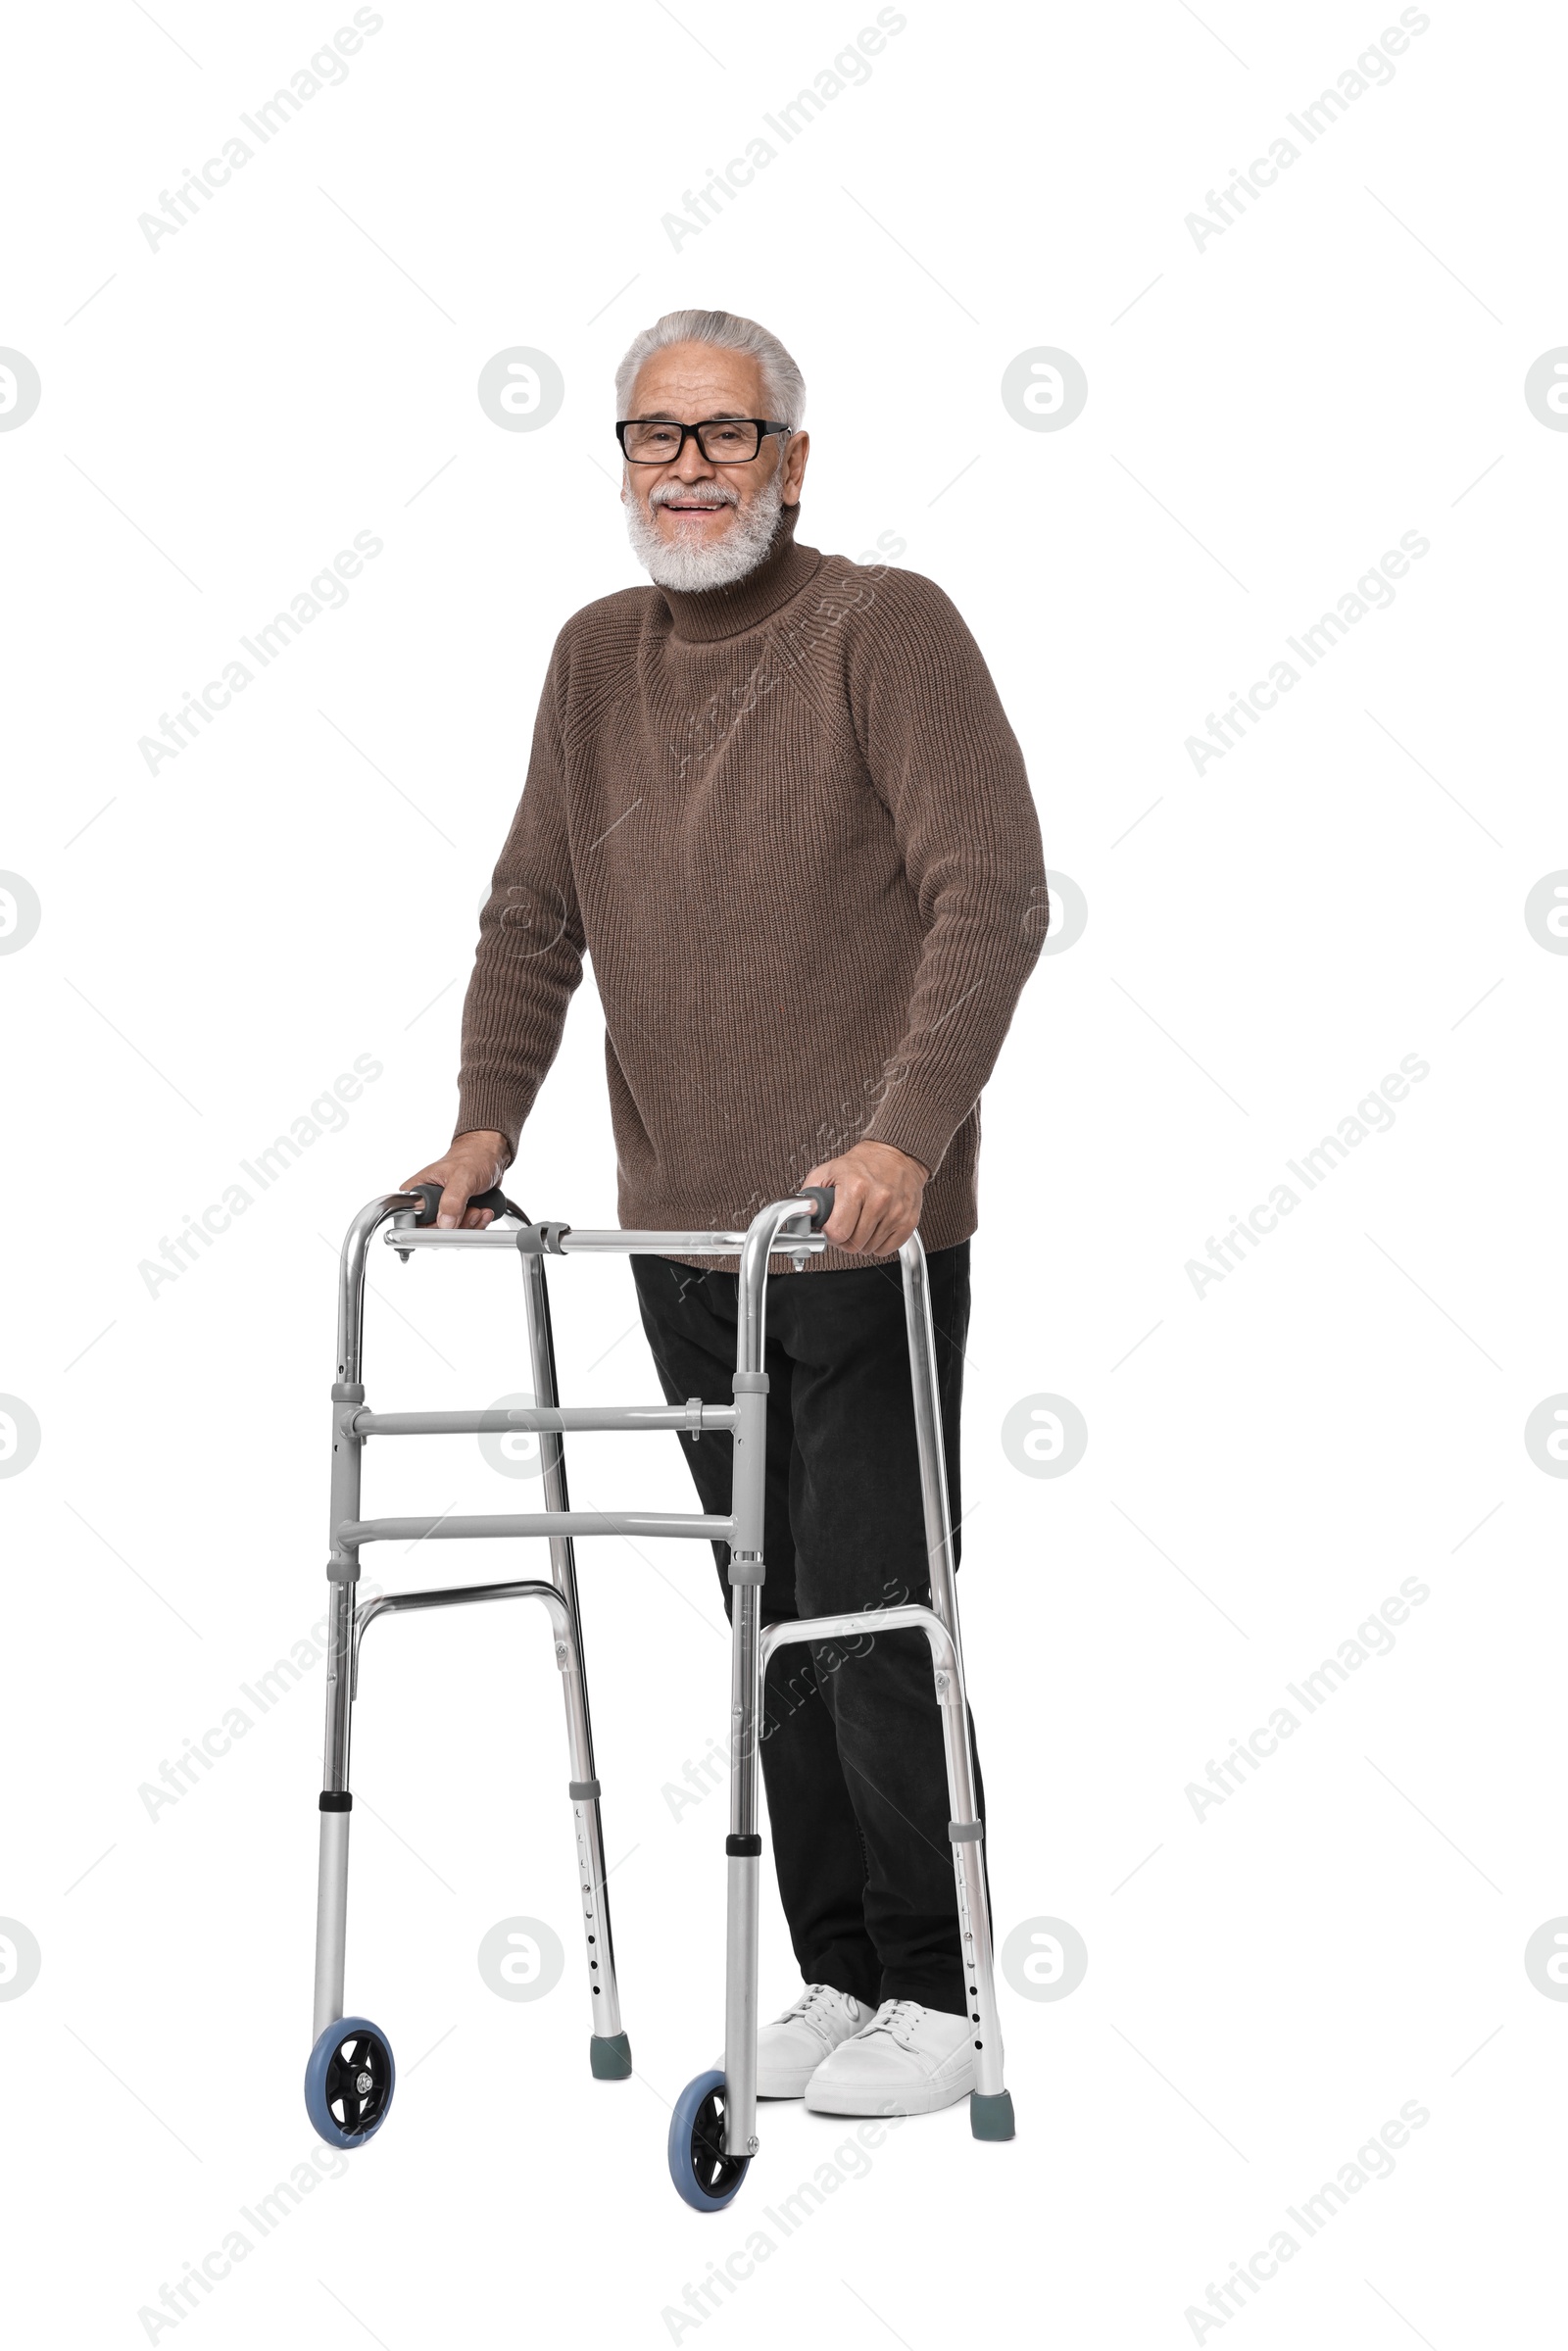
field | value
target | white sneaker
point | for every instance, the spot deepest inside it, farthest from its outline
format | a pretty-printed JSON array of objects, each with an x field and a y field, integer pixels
[
  {"x": 791, "y": 2049},
  {"x": 907, "y": 2060}
]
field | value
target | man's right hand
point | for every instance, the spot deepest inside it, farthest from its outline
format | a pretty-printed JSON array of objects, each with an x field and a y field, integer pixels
[{"x": 474, "y": 1162}]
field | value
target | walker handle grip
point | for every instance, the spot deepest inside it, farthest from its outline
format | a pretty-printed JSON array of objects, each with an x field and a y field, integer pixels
[
  {"x": 823, "y": 1196},
  {"x": 429, "y": 1199}
]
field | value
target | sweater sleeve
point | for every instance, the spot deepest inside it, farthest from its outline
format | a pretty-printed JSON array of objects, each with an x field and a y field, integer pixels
[
  {"x": 530, "y": 956},
  {"x": 943, "y": 759}
]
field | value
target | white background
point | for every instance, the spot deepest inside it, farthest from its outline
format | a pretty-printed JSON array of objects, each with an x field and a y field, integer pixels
[{"x": 1266, "y": 414}]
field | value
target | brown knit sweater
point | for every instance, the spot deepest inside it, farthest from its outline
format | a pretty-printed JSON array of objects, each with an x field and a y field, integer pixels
[{"x": 790, "y": 823}]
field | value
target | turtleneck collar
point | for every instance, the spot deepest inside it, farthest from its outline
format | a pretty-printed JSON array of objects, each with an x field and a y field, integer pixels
[{"x": 703, "y": 616}]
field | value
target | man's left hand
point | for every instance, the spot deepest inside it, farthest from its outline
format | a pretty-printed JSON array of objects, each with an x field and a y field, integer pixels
[{"x": 878, "y": 1193}]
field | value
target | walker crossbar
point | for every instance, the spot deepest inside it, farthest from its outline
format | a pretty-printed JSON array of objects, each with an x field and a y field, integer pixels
[
  {"x": 355, "y": 1531},
  {"x": 387, "y": 1603},
  {"x": 349, "y": 2078},
  {"x": 695, "y": 1416},
  {"x": 611, "y": 1242}
]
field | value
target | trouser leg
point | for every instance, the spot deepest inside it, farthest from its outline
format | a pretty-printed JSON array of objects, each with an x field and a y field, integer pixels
[{"x": 818, "y": 1857}]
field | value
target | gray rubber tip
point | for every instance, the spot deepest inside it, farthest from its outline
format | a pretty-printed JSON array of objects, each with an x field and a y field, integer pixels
[
  {"x": 991, "y": 2118},
  {"x": 611, "y": 2058}
]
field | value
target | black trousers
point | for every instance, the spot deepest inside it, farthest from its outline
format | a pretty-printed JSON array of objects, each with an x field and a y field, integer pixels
[{"x": 851, "y": 1736}]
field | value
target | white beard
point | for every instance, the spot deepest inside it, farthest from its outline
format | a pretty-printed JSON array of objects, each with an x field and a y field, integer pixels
[{"x": 694, "y": 569}]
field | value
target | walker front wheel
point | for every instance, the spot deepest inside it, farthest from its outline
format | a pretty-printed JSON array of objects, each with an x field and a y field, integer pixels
[
  {"x": 349, "y": 2081},
  {"x": 705, "y": 2176}
]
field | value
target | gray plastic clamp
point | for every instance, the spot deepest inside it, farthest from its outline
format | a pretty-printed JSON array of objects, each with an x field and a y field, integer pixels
[
  {"x": 748, "y": 1383},
  {"x": 348, "y": 1391},
  {"x": 747, "y": 1567},
  {"x": 965, "y": 1833},
  {"x": 542, "y": 1239},
  {"x": 578, "y": 1790}
]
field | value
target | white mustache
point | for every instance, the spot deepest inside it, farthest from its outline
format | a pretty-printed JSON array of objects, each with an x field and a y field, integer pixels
[{"x": 699, "y": 494}]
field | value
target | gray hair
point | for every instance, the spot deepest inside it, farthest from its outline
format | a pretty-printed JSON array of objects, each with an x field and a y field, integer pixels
[{"x": 784, "y": 385}]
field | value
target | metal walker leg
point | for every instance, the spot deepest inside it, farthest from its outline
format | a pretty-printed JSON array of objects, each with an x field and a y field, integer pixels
[
  {"x": 610, "y": 2050},
  {"x": 744, "y": 1844},
  {"x": 990, "y": 2105},
  {"x": 343, "y": 1568}
]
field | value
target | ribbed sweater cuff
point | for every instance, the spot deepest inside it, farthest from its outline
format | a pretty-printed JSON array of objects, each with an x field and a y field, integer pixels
[
  {"x": 482, "y": 1108},
  {"x": 922, "y": 1130}
]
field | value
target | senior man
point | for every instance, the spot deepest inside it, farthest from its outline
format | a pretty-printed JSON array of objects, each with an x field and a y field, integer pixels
[{"x": 775, "y": 798}]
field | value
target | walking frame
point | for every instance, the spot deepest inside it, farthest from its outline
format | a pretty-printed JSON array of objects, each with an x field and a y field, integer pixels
[{"x": 351, "y": 2074}]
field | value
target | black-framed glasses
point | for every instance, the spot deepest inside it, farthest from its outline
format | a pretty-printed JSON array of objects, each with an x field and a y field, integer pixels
[{"x": 722, "y": 440}]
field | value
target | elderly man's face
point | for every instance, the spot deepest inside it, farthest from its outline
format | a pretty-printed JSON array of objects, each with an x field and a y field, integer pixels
[{"x": 694, "y": 505}]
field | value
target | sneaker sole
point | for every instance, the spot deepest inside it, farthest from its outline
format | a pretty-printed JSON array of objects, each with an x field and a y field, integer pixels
[{"x": 829, "y": 2098}]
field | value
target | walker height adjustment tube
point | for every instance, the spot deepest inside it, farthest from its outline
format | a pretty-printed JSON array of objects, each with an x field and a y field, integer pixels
[{"x": 351, "y": 2076}]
